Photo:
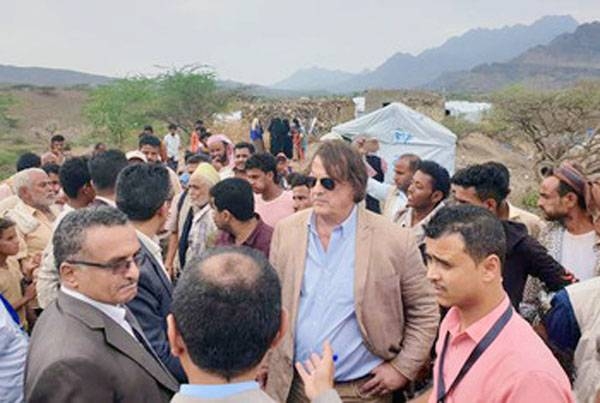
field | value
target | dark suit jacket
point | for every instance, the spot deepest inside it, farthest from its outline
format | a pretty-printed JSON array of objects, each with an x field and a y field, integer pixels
[
  {"x": 151, "y": 307},
  {"x": 525, "y": 256},
  {"x": 78, "y": 354}
]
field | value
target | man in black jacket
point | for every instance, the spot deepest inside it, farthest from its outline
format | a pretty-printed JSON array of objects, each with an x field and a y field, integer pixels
[
  {"x": 486, "y": 186},
  {"x": 144, "y": 194}
]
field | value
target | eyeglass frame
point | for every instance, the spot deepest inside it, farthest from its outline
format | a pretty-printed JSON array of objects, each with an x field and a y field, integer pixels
[
  {"x": 119, "y": 266},
  {"x": 327, "y": 182}
]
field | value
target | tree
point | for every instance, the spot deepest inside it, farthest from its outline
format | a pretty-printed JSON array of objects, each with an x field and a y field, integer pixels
[
  {"x": 6, "y": 102},
  {"x": 188, "y": 94},
  {"x": 560, "y": 124},
  {"x": 117, "y": 108}
]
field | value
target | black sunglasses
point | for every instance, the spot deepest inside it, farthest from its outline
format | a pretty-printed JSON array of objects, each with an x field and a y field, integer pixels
[{"x": 327, "y": 183}]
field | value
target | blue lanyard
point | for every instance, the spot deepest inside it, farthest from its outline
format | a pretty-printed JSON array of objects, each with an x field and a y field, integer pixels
[
  {"x": 479, "y": 349},
  {"x": 10, "y": 310}
]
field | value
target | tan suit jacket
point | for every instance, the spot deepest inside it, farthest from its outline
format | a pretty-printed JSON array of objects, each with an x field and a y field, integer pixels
[
  {"x": 395, "y": 304},
  {"x": 78, "y": 354}
]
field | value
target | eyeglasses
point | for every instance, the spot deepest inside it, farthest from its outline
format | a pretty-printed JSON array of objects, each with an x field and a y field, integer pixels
[
  {"x": 327, "y": 183},
  {"x": 119, "y": 266}
]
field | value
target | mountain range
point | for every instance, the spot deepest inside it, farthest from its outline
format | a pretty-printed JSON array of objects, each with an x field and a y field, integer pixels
[
  {"x": 42, "y": 76},
  {"x": 568, "y": 58},
  {"x": 554, "y": 51},
  {"x": 463, "y": 52}
]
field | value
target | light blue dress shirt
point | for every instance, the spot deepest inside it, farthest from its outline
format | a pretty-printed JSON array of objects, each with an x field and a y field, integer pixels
[
  {"x": 326, "y": 308},
  {"x": 217, "y": 391},
  {"x": 13, "y": 351}
]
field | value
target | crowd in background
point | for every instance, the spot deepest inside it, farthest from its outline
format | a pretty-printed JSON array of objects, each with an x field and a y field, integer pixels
[{"x": 221, "y": 271}]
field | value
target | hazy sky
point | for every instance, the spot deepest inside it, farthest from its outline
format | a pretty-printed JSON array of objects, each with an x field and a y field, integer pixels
[{"x": 258, "y": 41}]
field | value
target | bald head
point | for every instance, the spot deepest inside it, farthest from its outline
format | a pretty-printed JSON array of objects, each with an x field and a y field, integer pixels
[{"x": 227, "y": 308}]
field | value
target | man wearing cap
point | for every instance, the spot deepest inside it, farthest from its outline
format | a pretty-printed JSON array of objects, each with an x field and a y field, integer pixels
[{"x": 570, "y": 237}]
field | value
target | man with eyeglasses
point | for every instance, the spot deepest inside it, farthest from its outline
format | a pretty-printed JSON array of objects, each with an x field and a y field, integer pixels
[
  {"x": 87, "y": 346},
  {"x": 144, "y": 195},
  {"x": 354, "y": 278}
]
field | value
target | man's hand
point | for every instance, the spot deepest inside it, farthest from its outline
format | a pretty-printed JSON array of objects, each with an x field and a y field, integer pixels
[
  {"x": 386, "y": 379},
  {"x": 317, "y": 373},
  {"x": 30, "y": 292}
]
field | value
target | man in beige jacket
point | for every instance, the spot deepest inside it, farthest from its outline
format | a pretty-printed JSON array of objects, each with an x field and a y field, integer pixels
[{"x": 354, "y": 279}]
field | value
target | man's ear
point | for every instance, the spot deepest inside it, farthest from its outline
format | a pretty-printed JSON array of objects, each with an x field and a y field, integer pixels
[
  {"x": 491, "y": 268},
  {"x": 491, "y": 205},
  {"x": 437, "y": 196},
  {"x": 175, "y": 340},
  {"x": 68, "y": 275},
  {"x": 283, "y": 328}
]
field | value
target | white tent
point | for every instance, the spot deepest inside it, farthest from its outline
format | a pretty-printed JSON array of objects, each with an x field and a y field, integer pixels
[{"x": 402, "y": 130}]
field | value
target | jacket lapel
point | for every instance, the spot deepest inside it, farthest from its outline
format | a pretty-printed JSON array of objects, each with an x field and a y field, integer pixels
[
  {"x": 157, "y": 268},
  {"x": 116, "y": 337},
  {"x": 299, "y": 263},
  {"x": 361, "y": 259}
]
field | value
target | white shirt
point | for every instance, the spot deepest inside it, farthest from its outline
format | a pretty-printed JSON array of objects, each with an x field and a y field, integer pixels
[
  {"x": 578, "y": 254},
  {"x": 172, "y": 142},
  {"x": 115, "y": 312},
  {"x": 13, "y": 352},
  {"x": 380, "y": 191},
  {"x": 154, "y": 248}
]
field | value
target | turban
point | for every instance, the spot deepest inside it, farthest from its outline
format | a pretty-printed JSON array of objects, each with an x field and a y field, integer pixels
[{"x": 207, "y": 172}]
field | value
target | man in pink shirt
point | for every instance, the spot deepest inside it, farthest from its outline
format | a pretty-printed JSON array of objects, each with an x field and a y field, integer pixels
[
  {"x": 272, "y": 203},
  {"x": 486, "y": 353}
]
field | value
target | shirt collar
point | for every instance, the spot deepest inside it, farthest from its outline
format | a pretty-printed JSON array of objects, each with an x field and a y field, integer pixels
[
  {"x": 110, "y": 202},
  {"x": 150, "y": 243},
  {"x": 348, "y": 226},
  {"x": 116, "y": 312},
  {"x": 477, "y": 330},
  {"x": 512, "y": 211},
  {"x": 217, "y": 391}
]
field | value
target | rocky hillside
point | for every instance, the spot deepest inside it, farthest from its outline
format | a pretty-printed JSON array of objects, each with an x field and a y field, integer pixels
[{"x": 565, "y": 60}]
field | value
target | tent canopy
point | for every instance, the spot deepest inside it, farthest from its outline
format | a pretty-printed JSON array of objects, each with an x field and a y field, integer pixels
[{"x": 401, "y": 130}]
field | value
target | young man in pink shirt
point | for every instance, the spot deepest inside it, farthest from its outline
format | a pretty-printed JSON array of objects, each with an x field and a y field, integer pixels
[
  {"x": 272, "y": 203},
  {"x": 486, "y": 353}
]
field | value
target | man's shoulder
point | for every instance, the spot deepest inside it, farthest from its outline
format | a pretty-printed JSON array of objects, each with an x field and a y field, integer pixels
[{"x": 295, "y": 219}]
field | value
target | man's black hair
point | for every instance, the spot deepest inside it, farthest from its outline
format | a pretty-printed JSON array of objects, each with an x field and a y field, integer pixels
[
  {"x": 265, "y": 162},
  {"x": 142, "y": 189},
  {"x": 481, "y": 231},
  {"x": 28, "y": 160},
  {"x": 489, "y": 181},
  {"x": 149, "y": 140},
  {"x": 440, "y": 178},
  {"x": 74, "y": 174},
  {"x": 227, "y": 308},
  {"x": 245, "y": 144},
  {"x": 197, "y": 158},
  {"x": 105, "y": 167},
  {"x": 296, "y": 179},
  {"x": 234, "y": 195},
  {"x": 172, "y": 126},
  {"x": 51, "y": 168},
  {"x": 57, "y": 138}
]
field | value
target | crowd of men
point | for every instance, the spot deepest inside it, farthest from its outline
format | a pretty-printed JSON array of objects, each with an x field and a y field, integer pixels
[{"x": 230, "y": 278}]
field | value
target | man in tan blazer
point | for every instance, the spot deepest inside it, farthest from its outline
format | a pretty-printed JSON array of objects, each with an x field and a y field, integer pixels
[
  {"x": 355, "y": 279},
  {"x": 226, "y": 315},
  {"x": 87, "y": 346}
]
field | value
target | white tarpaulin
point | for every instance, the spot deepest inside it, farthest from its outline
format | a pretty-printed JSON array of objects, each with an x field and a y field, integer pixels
[{"x": 402, "y": 130}]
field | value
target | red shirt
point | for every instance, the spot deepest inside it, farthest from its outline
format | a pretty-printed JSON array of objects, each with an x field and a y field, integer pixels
[
  {"x": 259, "y": 239},
  {"x": 516, "y": 367}
]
